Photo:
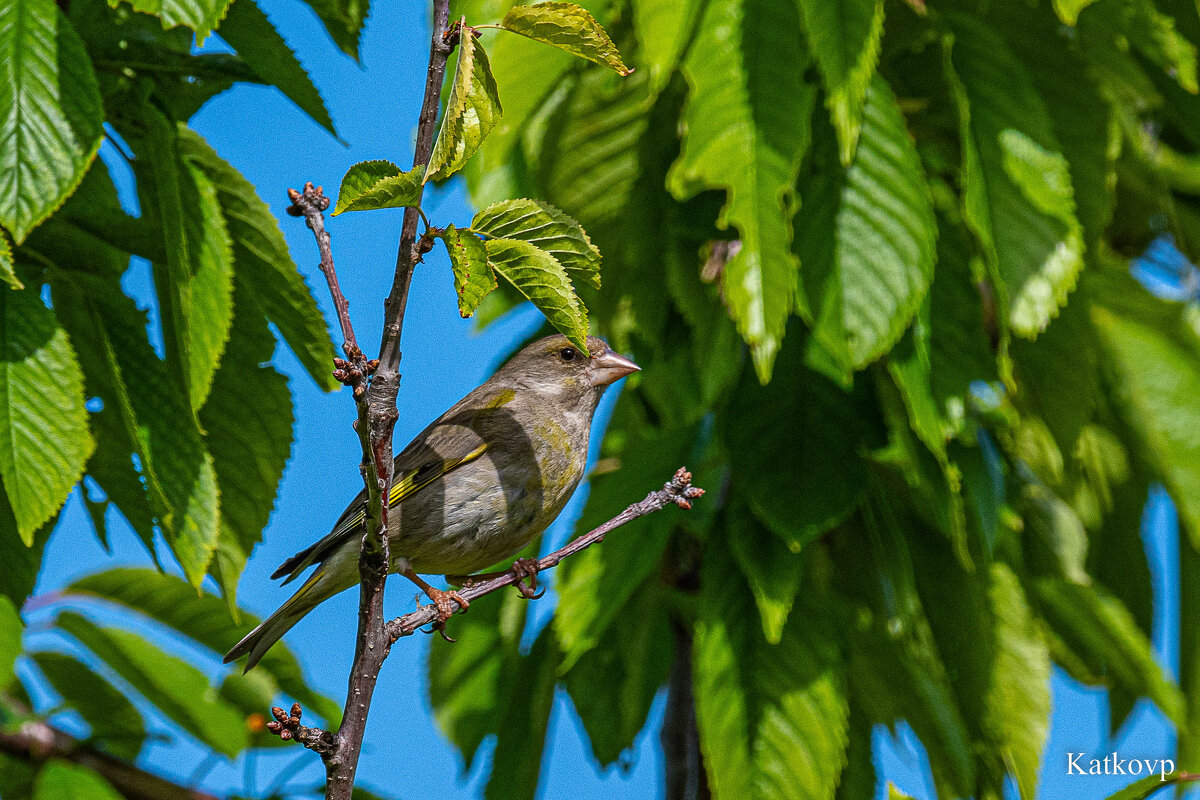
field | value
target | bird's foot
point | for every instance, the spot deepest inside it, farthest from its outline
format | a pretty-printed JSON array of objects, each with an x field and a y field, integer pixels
[
  {"x": 525, "y": 568},
  {"x": 444, "y": 602}
]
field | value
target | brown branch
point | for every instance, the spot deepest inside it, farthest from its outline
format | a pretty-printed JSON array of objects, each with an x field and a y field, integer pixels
[
  {"x": 678, "y": 491},
  {"x": 287, "y": 727},
  {"x": 37, "y": 741},
  {"x": 376, "y": 385}
]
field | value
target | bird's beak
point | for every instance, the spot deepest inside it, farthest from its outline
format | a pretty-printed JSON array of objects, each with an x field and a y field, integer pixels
[{"x": 608, "y": 367}]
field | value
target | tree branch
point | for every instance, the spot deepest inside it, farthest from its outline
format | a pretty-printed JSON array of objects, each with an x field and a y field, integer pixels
[
  {"x": 678, "y": 491},
  {"x": 38, "y": 741}
]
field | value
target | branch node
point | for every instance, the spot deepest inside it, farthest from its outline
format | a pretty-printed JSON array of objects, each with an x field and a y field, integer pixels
[{"x": 288, "y": 728}]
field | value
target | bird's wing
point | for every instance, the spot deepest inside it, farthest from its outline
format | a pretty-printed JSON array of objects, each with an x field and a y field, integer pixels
[{"x": 408, "y": 481}]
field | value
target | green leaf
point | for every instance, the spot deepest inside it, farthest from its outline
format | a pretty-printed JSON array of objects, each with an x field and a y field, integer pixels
[
  {"x": 844, "y": 38},
  {"x": 541, "y": 278},
  {"x": 663, "y": 29},
  {"x": 614, "y": 684},
  {"x": 469, "y": 685},
  {"x": 804, "y": 420},
  {"x": 203, "y": 618},
  {"x": 773, "y": 719},
  {"x": 22, "y": 562},
  {"x": 50, "y": 104},
  {"x": 1017, "y": 704},
  {"x": 7, "y": 273},
  {"x": 10, "y": 640},
  {"x": 747, "y": 128},
  {"x": 202, "y": 16},
  {"x": 521, "y": 735},
  {"x": 378, "y": 184},
  {"x": 545, "y": 227},
  {"x": 1068, "y": 10},
  {"x": 1148, "y": 786},
  {"x": 1153, "y": 34},
  {"x": 175, "y": 687},
  {"x": 44, "y": 438},
  {"x": 248, "y": 30},
  {"x": 344, "y": 20},
  {"x": 865, "y": 282},
  {"x": 473, "y": 278},
  {"x": 1098, "y": 630},
  {"x": 568, "y": 27},
  {"x": 1153, "y": 361},
  {"x": 1054, "y": 522},
  {"x": 62, "y": 780},
  {"x": 1017, "y": 190},
  {"x": 248, "y": 423},
  {"x": 773, "y": 571},
  {"x": 1189, "y": 652},
  {"x": 471, "y": 112},
  {"x": 116, "y": 725},
  {"x": 595, "y": 585},
  {"x": 195, "y": 285},
  {"x": 262, "y": 262}
]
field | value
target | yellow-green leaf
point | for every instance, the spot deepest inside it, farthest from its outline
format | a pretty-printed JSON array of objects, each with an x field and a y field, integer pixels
[
  {"x": 471, "y": 113},
  {"x": 569, "y": 27},
  {"x": 539, "y": 276},
  {"x": 369, "y": 185},
  {"x": 473, "y": 277}
]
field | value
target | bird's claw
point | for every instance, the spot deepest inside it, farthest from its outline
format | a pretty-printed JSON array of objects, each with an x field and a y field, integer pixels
[
  {"x": 527, "y": 568},
  {"x": 444, "y": 602}
]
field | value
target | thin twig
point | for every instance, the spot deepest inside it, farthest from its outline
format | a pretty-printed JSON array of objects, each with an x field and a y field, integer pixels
[{"x": 678, "y": 491}]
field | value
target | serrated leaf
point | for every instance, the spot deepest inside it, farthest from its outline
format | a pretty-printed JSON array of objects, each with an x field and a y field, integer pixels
[
  {"x": 1097, "y": 629},
  {"x": 595, "y": 585},
  {"x": 44, "y": 437},
  {"x": 248, "y": 424},
  {"x": 7, "y": 270},
  {"x": 202, "y": 16},
  {"x": 1153, "y": 361},
  {"x": 539, "y": 276},
  {"x": 1034, "y": 257},
  {"x": 773, "y": 571},
  {"x": 343, "y": 19},
  {"x": 22, "y": 562},
  {"x": 116, "y": 725},
  {"x": 568, "y": 27},
  {"x": 473, "y": 277},
  {"x": 805, "y": 420},
  {"x": 51, "y": 111},
  {"x": 1153, "y": 34},
  {"x": 263, "y": 264},
  {"x": 1017, "y": 705},
  {"x": 63, "y": 780},
  {"x": 865, "y": 282},
  {"x": 747, "y": 128},
  {"x": 202, "y": 618},
  {"x": 471, "y": 112},
  {"x": 545, "y": 227},
  {"x": 844, "y": 38},
  {"x": 773, "y": 719},
  {"x": 178, "y": 689},
  {"x": 378, "y": 184},
  {"x": 248, "y": 30}
]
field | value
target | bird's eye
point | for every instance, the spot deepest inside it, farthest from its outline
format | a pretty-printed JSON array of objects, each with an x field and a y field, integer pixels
[{"x": 568, "y": 353}]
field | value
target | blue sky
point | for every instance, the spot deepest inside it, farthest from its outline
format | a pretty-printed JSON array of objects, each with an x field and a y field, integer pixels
[{"x": 276, "y": 147}]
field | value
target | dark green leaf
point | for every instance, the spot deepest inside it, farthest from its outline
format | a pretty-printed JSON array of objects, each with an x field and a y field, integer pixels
[
  {"x": 521, "y": 736},
  {"x": 116, "y": 725},
  {"x": 378, "y": 184},
  {"x": 865, "y": 282},
  {"x": 773, "y": 571},
  {"x": 1148, "y": 786},
  {"x": 44, "y": 437},
  {"x": 50, "y": 104},
  {"x": 569, "y": 27},
  {"x": 202, "y": 16},
  {"x": 10, "y": 640},
  {"x": 344, "y": 20},
  {"x": 248, "y": 31},
  {"x": 175, "y": 687},
  {"x": 7, "y": 273},
  {"x": 844, "y": 38}
]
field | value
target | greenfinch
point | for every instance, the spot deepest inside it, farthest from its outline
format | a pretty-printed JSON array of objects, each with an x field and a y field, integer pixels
[{"x": 472, "y": 489}]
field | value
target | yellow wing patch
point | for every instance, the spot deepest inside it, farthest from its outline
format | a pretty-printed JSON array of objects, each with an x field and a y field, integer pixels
[{"x": 414, "y": 481}]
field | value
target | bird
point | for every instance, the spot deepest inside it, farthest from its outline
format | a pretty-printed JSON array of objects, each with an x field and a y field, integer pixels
[{"x": 472, "y": 489}]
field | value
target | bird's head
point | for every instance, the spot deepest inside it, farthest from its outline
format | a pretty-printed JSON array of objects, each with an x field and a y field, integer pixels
[{"x": 556, "y": 368}]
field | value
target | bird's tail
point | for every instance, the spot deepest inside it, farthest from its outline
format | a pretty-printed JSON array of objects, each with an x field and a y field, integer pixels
[{"x": 258, "y": 641}]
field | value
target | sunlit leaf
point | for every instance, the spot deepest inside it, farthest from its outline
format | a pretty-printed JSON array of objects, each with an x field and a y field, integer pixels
[
  {"x": 471, "y": 112},
  {"x": 566, "y": 26},
  {"x": 541, "y": 278},
  {"x": 378, "y": 184},
  {"x": 544, "y": 226},
  {"x": 473, "y": 278}
]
